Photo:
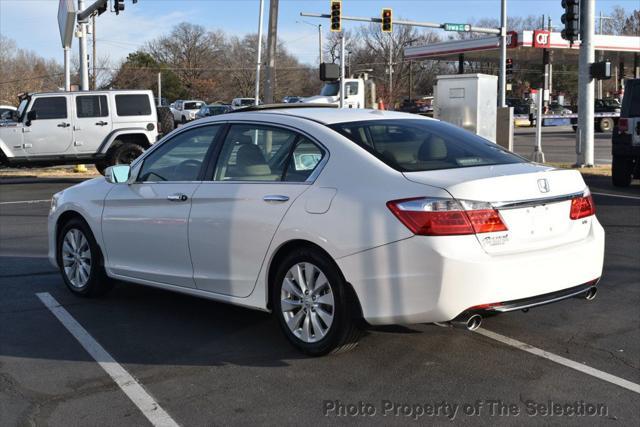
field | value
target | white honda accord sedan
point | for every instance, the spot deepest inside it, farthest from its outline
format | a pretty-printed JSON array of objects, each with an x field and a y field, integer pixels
[{"x": 328, "y": 216}]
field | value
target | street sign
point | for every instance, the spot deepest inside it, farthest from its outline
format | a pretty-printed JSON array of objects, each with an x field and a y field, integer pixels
[
  {"x": 66, "y": 21},
  {"x": 461, "y": 28}
]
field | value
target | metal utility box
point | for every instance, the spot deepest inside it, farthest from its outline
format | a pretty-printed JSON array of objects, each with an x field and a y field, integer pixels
[{"x": 469, "y": 101}]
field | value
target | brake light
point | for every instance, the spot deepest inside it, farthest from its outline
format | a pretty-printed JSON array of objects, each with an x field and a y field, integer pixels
[
  {"x": 446, "y": 217},
  {"x": 623, "y": 125},
  {"x": 582, "y": 206}
]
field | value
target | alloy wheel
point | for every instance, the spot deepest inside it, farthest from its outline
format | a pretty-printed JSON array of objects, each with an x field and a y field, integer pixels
[
  {"x": 76, "y": 258},
  {"x": 307, "y": 303}
]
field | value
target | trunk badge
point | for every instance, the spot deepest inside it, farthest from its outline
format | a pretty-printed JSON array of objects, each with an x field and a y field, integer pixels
[{"x": 543, "y": 185}]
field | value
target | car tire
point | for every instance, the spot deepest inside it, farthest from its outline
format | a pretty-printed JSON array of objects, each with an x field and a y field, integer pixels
[
  {"x": 165, "y": 120},
  {"x": 184, "y": 120},
  {"x": 80, "y": 260},
  {"x": 605, "y": 125},
  {"x": 575, "y": 128},
  {"x": 124, "y": 153},
  {"x": 101, "y": 166},
  {"x": 621, "y": 171},
  {"x": 317, "y": 319}
]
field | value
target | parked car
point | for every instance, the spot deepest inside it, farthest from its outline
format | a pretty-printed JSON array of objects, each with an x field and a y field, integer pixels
[
  {"x": 100, "y": 127},
  {"x": 6, "y": 111},
  {"x": 625, "y": 146},
  {"x": 291, "y": 99},
  {"x": 212, "y": 110},
  {"x": 243, "y": 102},
  {"x": 185, "y": 111},
  {"x": 326, "y": 216}
]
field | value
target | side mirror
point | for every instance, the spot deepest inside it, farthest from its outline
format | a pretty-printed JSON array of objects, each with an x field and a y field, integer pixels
[
  {"x": 117, "y": 174},
  {"x": 31, "y": 116}
]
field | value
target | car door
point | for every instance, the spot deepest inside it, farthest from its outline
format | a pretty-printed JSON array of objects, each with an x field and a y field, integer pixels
[
  {"x": 91, "y": 124},
  {"x": 50, "y": 131},
  {"x": 145, "y": 222},
  {"x": 260, "y": 171}
]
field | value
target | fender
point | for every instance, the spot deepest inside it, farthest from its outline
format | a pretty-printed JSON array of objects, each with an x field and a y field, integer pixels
[{"x": 108, "y": 140}]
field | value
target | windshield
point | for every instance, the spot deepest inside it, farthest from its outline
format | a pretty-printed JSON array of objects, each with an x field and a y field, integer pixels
[
  {"x": 330, "y": 89},
  {"x": 412, "y": 145},
  {"x": 612, "y": 102},
  {"x": 193, "y": 105},
  {"x": 22, "y": 107}
]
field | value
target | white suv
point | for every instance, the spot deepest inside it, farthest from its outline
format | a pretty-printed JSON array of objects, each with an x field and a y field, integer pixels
[
  {"x": 185, "y": 111},
  {"x": 100, "y": 127}
]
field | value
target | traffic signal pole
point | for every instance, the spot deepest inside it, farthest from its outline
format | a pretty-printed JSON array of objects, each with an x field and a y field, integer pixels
[
  {"x": 585, "y": 135},
  {"x": 84, "y": 63},
  {"x": 502, "y": 80},
  {"x": 259, "y": 59}
]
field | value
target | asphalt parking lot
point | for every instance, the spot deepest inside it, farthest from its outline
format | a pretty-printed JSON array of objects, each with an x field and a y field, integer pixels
[
  {"x": 559, "y": 144},
  {"x": 205, "y": 363}
]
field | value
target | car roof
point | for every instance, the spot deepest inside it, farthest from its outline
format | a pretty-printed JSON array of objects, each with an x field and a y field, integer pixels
[{"x": 330, "y": 116}]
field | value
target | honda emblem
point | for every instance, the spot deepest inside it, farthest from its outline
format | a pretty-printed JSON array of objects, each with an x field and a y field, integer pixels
[{"x": 543, "y": 185}]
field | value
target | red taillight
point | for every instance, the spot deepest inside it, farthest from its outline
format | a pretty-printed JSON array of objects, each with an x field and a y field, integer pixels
[
  {"x": 445, "y": 217},
  {"x": 582, "y": 206},
  {"x": 623, "y": 125}
]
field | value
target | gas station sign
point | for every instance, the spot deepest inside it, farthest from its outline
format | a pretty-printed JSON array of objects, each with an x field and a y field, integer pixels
[{"x": 542, "y": 39}]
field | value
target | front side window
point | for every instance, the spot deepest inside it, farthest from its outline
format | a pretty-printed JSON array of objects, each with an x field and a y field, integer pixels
[
  {"x": 133, "y": 105},
  {"x": 193, "y": 105},
  {"x": 412, "y": 145},
  {"x": 351, "y": 88},
  {"x": 92, "y": 106},
  {"x": 54, "y": 107},
  {"x": 180, "y": 158}
]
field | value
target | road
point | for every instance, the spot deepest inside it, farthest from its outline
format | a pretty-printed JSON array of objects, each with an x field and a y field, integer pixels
[
  {"x": 559, "y": 144},
  {"x": 206, "y": 363}
]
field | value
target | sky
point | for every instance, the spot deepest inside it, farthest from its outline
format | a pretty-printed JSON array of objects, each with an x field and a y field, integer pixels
[{"x": 33, "y": 23}]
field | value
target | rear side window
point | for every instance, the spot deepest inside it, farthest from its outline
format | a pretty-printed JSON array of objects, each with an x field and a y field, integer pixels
[
  {"x": 92, "y": 106},
  {"x": 412, "y": 145},
  {"x": 54, "y": 107},
  {"x": 133, "y": 105}
]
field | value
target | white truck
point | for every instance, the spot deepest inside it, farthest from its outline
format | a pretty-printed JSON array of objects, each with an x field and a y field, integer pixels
[
  {"x": 100, "y": 127},
  {"x": 360, "y": 93},
  {"x": 185, "y": 111}
]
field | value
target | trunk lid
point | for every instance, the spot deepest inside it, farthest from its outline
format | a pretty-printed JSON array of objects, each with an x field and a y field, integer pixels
[{"x": 534, "y": 202}]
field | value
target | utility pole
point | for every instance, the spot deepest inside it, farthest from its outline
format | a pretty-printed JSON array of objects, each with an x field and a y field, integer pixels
[
  {"x": 259, "y": 60},
  {"x": 585, "y": 142},
  {"x": 159, "y": 89},
  {"x": 502, "y": 80},
  {"x": 93, "y": 57},
  {"x": 272, "y": 42},
  {"x": 67, "y": 69},
  {"x": 84, "y": 66}
]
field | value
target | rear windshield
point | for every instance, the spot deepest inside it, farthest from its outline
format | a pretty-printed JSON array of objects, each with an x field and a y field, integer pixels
[
  {"x": 631, "y": 100},
  {"x": 412, "y": 145},
  {"x": 193, "y": 105}
]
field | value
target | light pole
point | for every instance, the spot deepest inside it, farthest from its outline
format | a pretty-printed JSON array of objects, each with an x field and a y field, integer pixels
[
  {"x": 259, "y": 61},
  {"x": 84, "y": 66},
  {"x": 503, "y": 54},
  {"x": 319, "y": 26}
]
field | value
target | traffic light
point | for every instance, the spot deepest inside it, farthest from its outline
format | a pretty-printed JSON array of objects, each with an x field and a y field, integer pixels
[
  {"x": 336, "y": 16},
  {"x": 102, "y": 9},
  {"x": 509, "y": 68},
  {"x": 387, "y": 21},
  {"x": 118, "y": 6},
  {"x": 571, "y": 20}
]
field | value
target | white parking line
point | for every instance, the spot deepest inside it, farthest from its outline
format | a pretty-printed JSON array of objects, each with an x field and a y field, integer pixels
[
  {"x": 561, "y": 360},
  {"x": 616, "y": 195},
  {"x": 25, "y": 202},
  {"x": 147, "y": 405}
]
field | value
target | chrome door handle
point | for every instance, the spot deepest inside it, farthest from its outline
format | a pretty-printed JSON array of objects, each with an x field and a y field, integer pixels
[
  {"x": 275, "y": 198},
  {"x": 177, "y": 198}
]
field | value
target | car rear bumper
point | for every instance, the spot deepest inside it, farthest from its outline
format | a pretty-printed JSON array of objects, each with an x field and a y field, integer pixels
[{"x": 435, "y": 279}]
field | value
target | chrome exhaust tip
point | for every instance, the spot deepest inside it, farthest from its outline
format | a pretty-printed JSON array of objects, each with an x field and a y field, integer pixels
[
  {"x": 590, "y": 295},
  {"x": 470, "y": 322}
]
